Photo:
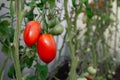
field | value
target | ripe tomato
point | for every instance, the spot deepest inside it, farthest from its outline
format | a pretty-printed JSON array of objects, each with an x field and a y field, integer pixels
[
  {"x": 32, "y": 32},
  {"x": 91, "y": 4},
  {"x": 100, "y": 4},
  {"x": 89, "y": 77},
  {"x": 46, "y": 48}
]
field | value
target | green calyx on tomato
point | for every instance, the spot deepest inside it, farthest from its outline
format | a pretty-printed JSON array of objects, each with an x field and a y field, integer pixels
[
  {"x": 46, "y": 48},
  {"x": 32, "y": 32},
  {"x": 57, "y": 30}
]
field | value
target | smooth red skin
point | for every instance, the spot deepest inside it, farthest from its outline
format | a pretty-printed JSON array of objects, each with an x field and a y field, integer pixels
[
  {"x": 46, "y": 48},
  {"x": 32, "y": 33}
]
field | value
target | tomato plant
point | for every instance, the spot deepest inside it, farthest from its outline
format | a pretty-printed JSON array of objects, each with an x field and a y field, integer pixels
[
  {"x": 32, "y": 32},
  {"x": 46, "y": 48},
  {"x": 82, "y": 45}
]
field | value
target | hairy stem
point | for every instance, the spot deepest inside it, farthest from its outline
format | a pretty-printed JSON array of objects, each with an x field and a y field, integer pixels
[
  {"x": 115, "y": 35},
  {"x": 16, "y": 42},
  {"x": 2, "y": 68},
  {"x": 70, "y": 44}
]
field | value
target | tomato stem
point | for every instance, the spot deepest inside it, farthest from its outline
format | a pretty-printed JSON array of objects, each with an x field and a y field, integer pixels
[
  {"x": 15, "y": 48},
  {"x": 74, "y": 61},
  {"x": 2, "y": 68}
]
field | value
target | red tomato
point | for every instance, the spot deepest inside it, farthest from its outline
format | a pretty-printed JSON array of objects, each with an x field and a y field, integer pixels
[
  {"x": 89, "y": 77},
  {"x": 46, "y": 48},
  {"x": 91, "y": 4},
  {"x": 100, "y": 4},
  {"x": 32, "y": 32}
]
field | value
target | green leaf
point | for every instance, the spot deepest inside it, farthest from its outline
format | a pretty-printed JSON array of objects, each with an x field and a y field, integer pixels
[
  {"x": 4, "y": 28},
  {"x": 84, "y": 1},
  {"x": 5, "y": 49},
  {"x": 99, "y": 78},
  {"x": 52, "y": 3},
  {"x": 89, "y": 10},
  {"x": 11, "y": 72},
  {"x": 40, "y": 5},
  {"x": 6, "y": 39},
  {"x": 44, "y": 1},
  {"x": 73, "y": 2},
  {"x": 42, "y": 71},
  {"x": 3, "y": 5},
  {"x": 31, "y": 78},
  {"x": 29, "y": 62},
  {"x": 11, "y": 34},
  {"x": 4, "y": 23},
  {"x": 31, "y": 4},
  {"x": 30, "y": 15}
]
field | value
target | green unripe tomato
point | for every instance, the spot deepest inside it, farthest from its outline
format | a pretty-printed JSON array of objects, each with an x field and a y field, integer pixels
[
  {"x": 57, "y": 30},
  {"x": 52, "y": 22},
  {"x": 92, "y": 70},
  {"x": 82, "y": 78}
]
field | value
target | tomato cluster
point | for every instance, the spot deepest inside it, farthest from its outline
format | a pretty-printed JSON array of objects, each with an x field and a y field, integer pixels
[
  {"x": 99, "y": 4},
  {"x": 46, "y": 46}
]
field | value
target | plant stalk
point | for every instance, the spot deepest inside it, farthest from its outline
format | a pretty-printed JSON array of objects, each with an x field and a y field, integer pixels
[
  {"x": 72, "y": 73},
  {"x": 116, "y": 29},
  {"x": 2, "y": 68},
  {"x": 16, "y": 42}
]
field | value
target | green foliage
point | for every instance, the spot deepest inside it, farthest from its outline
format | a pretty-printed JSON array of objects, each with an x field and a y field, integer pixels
[
  {"x": 52, "y": 3},
  {"x": 40, "y": 5},
  {"x": 2, "y": 5},
  {"x": 89, "y": 10},
  {"x": 99, "y": 78},
  {"x": 29, "y": 15},
  {"x": 29, "y": 61},
  {"x": 6, "y": 36},
  {"x": 31, "y": 78},
  {"x": 85, "y": 48},
  {"x": 5, "y": 48},
  {"x": 73, "y": 2},
  {"x": 42, "y": 71},
  {"x": 11, "y": 72},
  {"x": 31, "y": 4},
  {"x": 4, "y": 28}
]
